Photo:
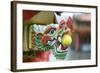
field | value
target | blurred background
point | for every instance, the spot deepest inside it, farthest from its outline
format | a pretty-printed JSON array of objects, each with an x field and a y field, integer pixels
[{"x": 81, "y": 47}]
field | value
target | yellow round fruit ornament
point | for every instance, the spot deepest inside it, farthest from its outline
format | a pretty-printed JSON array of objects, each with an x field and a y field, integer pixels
[{"x": 66, "y": 40}]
